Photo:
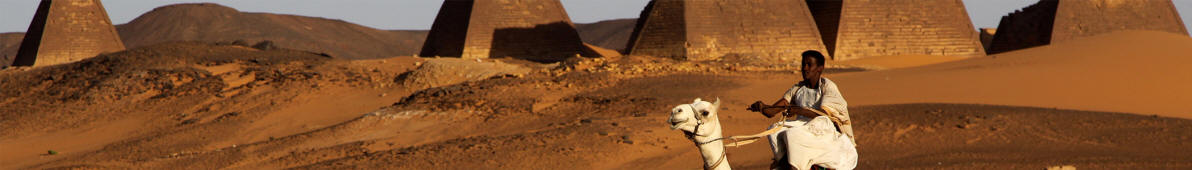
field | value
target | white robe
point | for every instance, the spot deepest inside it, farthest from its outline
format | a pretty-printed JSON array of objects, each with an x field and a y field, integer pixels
[{"x": 815, "y": 141}]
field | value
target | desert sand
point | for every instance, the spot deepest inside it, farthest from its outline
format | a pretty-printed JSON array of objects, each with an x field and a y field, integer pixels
[
  {"x": 1107, "y": 102},
  {"x": 1140, "y": 72},
  {"x": 894, "y": 62}
]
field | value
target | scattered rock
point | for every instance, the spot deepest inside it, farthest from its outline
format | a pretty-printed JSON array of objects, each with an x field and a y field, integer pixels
[
  {"x": 966, "y": 126},
  {"x": 1061, "y": 167},
  {"x": 240, "y": 43},
  {"x": 639, "y": 114},
  {"x": 265, "y": 45},
  {"x": 189, "y": 121},
  {"x": 447, "y": 71}
]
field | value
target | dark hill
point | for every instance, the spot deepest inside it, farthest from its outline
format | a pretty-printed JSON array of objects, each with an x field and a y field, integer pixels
[
  {"x": 216, "y": 23},
  {"x": 611, "y": 34},
  {"x": 9, "y": 43}
]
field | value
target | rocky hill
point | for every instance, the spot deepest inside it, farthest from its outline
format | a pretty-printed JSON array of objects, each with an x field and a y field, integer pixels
[{"x": 216, "y": 23}]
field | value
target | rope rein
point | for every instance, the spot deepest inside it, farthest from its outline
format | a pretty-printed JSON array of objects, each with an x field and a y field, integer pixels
[
  {"x": 737, "y": 142},
  {"x": 718, "y": 160}
]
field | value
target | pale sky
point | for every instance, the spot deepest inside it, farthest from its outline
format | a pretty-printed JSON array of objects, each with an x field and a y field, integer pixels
[{"x": 419, "y": 14}]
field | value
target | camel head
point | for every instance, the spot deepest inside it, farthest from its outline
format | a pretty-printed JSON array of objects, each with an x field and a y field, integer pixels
[{"x": 698, "y": 118}]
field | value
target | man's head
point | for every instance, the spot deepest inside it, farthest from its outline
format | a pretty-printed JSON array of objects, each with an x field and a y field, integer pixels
[{"x": 813, "y": 65}]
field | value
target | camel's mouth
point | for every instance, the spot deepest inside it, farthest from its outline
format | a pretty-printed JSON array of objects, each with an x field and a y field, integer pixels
[{"x": 688, "y": 134}]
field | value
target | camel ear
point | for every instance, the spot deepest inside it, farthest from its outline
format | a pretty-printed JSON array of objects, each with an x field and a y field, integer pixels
[
  {"x": 717, "y": 103},
  {"x": 697, "y": 100}
]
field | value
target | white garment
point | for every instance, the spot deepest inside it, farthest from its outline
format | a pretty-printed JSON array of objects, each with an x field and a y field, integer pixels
[
  {"x": 813, "y": 141},
  {"x": 803, "y": 97},
  {"x": 827, "y": 98}
]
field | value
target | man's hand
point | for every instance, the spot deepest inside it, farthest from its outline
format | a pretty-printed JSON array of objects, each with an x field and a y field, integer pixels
[
  {"x": 756, "y": 106},
  {"x": 769, "y": 110}
]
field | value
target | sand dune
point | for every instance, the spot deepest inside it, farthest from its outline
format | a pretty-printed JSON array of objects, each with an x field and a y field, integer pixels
[
  {"x": 1133, "y": 72},
  {"x": 898, "y": 61}
]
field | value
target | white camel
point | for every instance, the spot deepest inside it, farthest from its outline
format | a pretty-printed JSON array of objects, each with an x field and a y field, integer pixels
[
  {"x": 699, "y": 123},
  {"x": 815, "y": 139}
]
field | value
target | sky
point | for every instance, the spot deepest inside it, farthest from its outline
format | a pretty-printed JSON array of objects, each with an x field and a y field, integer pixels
[{"x": 419, "y": 14}]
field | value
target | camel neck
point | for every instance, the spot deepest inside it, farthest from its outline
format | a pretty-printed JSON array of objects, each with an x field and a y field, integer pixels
[{"x": 714, "y": 152}]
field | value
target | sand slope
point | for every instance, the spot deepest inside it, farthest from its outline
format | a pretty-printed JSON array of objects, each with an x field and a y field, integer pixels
[
  {"x": 894, "y": 62},
  {"x": 182, "y": 96},
  {"x": 1133, "y": 72}
]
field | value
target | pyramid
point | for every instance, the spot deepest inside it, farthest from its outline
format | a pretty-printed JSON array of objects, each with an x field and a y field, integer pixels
[
  {"x": 987, "y": 37},
  {"x": 864, "y": 28},
  {"x": 65, "y": 31},
  {"x": 1052, "y": 21},
  {"x": 763, "y": 30},
  {"x": 536, "y": 30}
]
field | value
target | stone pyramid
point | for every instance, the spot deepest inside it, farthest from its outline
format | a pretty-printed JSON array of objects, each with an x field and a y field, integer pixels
[
  {"x": 537, "y": 30},
  {"x": 865, "y": 28},
  {"x": 1051, "y": 21},
  {"x": 760, "y": 30},
  {"x": 65, "y": 31}
]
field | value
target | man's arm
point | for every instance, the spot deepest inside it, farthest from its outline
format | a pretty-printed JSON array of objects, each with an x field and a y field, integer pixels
[
  {"x": 769, "y": 110},
  {"x": 780, "y": 106}
]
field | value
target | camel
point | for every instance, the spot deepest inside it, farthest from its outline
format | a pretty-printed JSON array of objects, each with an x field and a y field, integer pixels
[
  {"x": 699, "y": 122},
  {"x": 816, "y": 139}
]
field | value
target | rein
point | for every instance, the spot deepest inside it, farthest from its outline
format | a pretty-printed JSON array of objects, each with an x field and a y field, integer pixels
[{"x": 737, "y": 140}]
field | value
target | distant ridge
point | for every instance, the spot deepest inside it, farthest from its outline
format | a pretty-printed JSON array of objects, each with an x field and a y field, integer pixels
[
  {"x": 9, "y": 44},
  {"x": 611, "y": 34},
  {"x": 216, "y": 23}
]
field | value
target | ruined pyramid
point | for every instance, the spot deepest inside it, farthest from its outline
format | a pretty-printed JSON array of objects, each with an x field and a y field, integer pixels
[
  {"x": 536, "y": 30},
  {"x": 764, "y": 30},
  {"x": 65, "y": 31},
  {"x": 866, "y": 28},
  {"x": 1052, "y": 21}
]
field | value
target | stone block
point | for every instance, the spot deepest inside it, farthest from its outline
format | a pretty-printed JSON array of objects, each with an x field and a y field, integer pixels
[
  {"x": 764, "y": 30},
  {"x": 864, "y": 28}
]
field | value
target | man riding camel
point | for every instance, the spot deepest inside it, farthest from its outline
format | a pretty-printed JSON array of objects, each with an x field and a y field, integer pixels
[{"x": 825, "y": 135}]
